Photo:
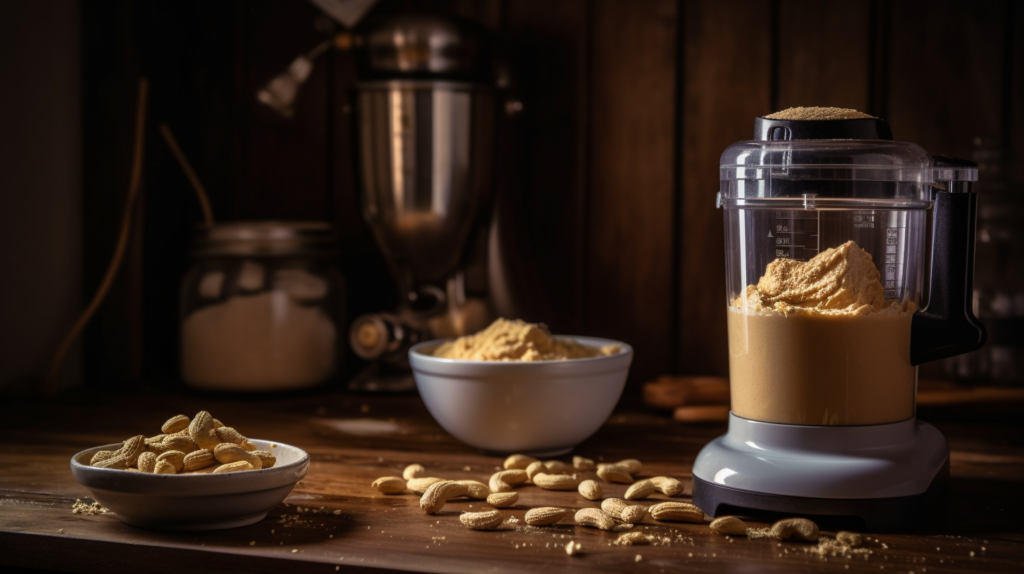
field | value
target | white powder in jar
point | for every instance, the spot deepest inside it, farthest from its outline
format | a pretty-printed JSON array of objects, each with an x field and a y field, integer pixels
[{"x": 261, "y": 342}]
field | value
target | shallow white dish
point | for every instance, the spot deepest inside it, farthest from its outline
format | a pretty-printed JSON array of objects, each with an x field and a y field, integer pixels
[
  {"x": 541, "y": 408},
  {"x": 193, "y": 501}
]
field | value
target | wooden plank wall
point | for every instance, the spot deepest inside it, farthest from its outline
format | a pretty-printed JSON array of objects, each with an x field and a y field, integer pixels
[{"x": 608, "y": 176}]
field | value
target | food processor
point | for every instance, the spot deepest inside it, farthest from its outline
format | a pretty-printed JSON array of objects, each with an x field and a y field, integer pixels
[{"x": 822, "y": 419}]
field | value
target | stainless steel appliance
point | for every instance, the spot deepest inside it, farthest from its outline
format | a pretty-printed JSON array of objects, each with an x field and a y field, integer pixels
[{"x": 425, "y": 123}]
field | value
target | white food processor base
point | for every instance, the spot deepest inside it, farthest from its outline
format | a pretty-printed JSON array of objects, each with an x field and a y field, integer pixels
[{"x": 887, "y": 476}]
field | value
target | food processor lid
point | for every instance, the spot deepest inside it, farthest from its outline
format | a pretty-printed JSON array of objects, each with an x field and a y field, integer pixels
[
  {"x": 853, "y": 160},
  {"x": 770, "y": 129},
  {"x": 833, "y": 148}
]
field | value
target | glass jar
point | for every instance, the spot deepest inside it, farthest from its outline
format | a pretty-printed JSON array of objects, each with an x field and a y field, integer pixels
[{"x": 262, "y": 307}]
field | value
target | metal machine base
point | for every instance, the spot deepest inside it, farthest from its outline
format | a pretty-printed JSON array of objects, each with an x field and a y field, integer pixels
[{"x": 886, "y": 476}]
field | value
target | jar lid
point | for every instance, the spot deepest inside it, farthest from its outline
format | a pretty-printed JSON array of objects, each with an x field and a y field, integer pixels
[{"x": 269, "y": 238}]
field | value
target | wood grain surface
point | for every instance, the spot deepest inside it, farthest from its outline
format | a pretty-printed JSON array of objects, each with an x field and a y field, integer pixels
[
  {"x": 726, "y": 84},
  {"x": 632, "y": 118},
  {"x": 543, "y": 177},
  {"x": 823, "y": 54},
  {"x": 934, "y": 43},
  {"x": 606, "y": 176},
  {"x": 353, "y": 440}
]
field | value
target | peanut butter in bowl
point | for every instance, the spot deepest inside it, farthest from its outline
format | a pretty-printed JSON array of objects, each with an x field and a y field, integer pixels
[
  {"x": 514, "y": 387},
  {"x": 516, "y": 340}
]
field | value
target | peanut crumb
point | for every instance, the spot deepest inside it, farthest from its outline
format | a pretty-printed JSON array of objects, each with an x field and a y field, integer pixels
[
  {"x": 86, "y": 508},
  {"x": 755, "y": 533}
]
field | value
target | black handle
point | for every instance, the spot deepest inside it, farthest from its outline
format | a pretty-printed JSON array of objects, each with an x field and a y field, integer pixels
[{"x": 947, "y": 325}]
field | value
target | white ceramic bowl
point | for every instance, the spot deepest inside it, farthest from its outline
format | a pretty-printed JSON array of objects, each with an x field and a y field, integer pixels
[
  {"x": 193, "y": 501},
  {"x": 540, "y": 408}
]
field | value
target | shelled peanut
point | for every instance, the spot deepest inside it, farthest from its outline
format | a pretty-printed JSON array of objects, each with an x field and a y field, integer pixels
[
  {"x": 624, "y": 516},
  {"x": 198, "y": 445}
]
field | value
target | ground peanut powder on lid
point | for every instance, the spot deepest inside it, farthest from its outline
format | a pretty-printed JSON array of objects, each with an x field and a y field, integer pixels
[
  {"x": 516, "y": 340},
  {"x": 816, "y": 113}
]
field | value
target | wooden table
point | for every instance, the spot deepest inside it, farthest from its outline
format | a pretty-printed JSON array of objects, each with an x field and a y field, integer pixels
[{"x": 355, "y": 439}]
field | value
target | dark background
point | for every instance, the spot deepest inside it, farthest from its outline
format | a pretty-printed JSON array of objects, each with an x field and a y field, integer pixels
[{"x": 610, "y": 169}]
